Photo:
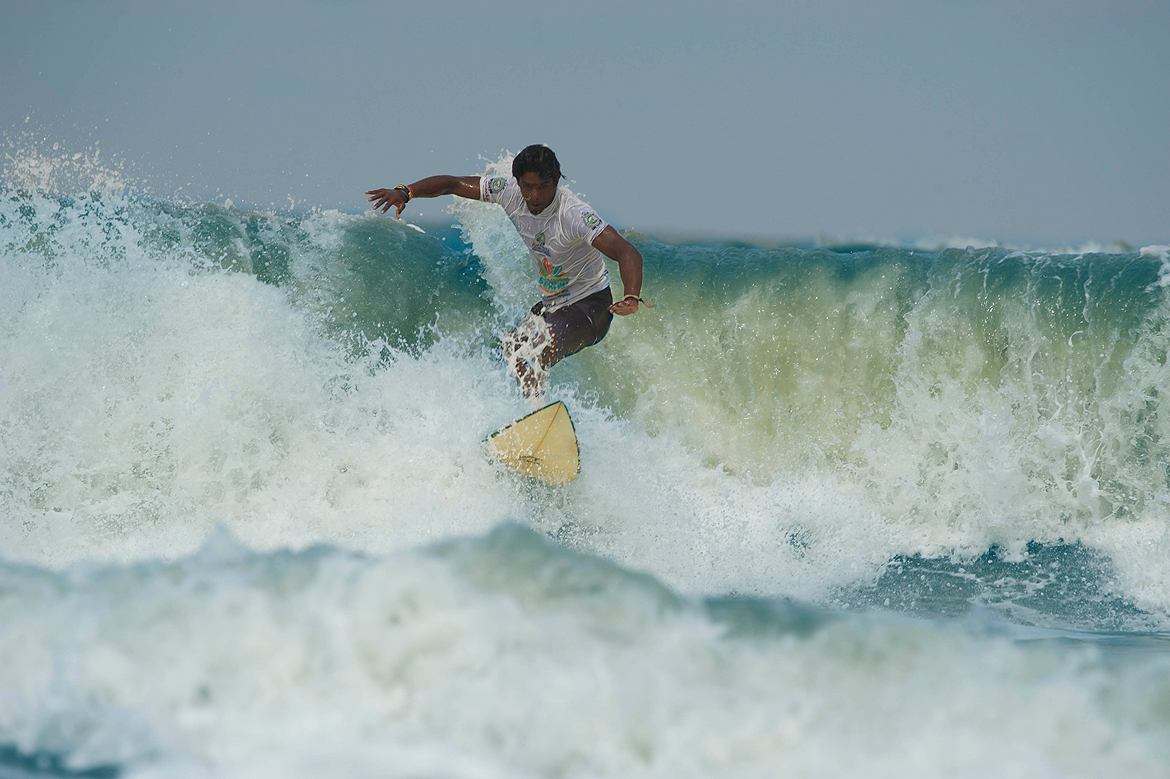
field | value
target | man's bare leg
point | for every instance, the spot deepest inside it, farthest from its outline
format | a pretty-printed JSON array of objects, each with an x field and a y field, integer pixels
[{"x": 529, "y": 352}]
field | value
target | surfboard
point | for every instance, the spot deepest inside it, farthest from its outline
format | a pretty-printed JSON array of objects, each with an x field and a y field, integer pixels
[{"x": 542, "y": 445}]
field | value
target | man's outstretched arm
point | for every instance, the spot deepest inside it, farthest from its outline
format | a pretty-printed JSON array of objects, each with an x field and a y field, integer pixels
[{"x": 432, "y": 186}]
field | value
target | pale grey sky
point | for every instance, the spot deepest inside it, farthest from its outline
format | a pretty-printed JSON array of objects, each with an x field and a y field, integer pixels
[{"x": 1042, "y": 122}]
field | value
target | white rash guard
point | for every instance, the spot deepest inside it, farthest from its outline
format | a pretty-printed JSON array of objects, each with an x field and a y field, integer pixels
[{"x": 559, "y": 238}]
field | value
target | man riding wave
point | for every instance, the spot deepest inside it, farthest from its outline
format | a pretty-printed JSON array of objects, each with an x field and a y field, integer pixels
[{"x": 568, "y": 242}]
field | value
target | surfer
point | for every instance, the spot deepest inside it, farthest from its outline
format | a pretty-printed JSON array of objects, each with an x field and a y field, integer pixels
[{"x": 568, "y": 242}]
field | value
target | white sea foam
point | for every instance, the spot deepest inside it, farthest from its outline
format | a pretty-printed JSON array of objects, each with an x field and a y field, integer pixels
[
  {"x": 505, "y": 656},
  {"x": 150, "y": 400},
  {"x": 171, "y": 425}
]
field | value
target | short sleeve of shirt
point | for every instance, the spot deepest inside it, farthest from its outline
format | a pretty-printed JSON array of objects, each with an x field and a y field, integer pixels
[
  {"x": 494, "y": 189},
  {"x": 587, "y": 222}
]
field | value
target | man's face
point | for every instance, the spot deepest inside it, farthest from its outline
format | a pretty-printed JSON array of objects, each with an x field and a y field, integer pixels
[{"x": 538, "y": 193}]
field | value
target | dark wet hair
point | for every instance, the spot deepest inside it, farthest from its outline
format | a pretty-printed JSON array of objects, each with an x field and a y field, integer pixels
[{"x": 538, "y": 159}]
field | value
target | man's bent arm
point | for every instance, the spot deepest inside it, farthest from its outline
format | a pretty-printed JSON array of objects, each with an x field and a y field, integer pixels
[
  {"x": 432, "y": 186},
  {"x": 629, "y": 261}
]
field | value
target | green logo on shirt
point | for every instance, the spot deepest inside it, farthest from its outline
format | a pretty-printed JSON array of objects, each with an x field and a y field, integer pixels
[
  {"x": 496, "y": 186},
  {"x": 591, "y": 220}
]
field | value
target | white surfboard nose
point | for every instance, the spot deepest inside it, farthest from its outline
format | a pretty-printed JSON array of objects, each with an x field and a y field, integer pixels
[{"x": 542, "y": 445}]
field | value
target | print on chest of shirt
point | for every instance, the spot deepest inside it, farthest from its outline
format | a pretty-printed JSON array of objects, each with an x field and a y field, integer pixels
[{"x": 553, "y": 278}]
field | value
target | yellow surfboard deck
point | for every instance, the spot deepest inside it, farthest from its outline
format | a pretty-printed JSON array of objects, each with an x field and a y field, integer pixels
[{"x": 542, "y": 445}]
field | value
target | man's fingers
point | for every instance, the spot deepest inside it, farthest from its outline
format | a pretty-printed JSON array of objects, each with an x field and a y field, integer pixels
[{"x": 381, "y": 198}]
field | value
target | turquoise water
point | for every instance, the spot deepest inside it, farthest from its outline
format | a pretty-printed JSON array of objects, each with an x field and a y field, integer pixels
[{"x": 864, "y": 511}]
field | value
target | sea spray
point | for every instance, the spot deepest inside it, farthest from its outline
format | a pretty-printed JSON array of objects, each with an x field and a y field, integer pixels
[{"x": 876, "y": 512}]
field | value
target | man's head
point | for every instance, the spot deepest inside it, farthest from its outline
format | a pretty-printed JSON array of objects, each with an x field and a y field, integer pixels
[
  {"x": 538, "y": 172},
  {"x": 538, "y": 159}
]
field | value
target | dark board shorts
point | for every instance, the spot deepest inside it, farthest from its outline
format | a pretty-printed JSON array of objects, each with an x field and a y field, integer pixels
[{"x": 579, "y": 324}]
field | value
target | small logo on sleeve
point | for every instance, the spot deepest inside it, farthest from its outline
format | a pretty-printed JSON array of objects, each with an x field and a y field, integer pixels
[
  {"x": 496, "y": 185},
  {"x": 592, "y": 220}
]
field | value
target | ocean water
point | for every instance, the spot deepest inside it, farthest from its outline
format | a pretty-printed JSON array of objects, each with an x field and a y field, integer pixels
[{"x": 855, "y": 511}]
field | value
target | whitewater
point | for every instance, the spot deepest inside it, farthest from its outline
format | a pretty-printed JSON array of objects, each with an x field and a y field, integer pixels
[{"x": 855, "y": 511}]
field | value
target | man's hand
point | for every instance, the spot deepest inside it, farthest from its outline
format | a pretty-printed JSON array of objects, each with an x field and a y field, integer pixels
[
  {"x": 387, "y": 198},
  {"x": 625, "y": 307}
]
